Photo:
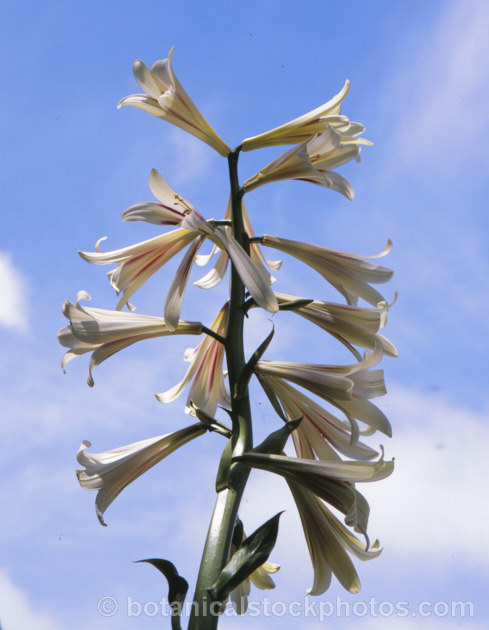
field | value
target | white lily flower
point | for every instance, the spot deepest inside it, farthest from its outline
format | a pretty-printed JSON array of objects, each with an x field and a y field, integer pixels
[
  {"x": 216, "y": 274},
  {"x": 320, "y": 434},
  {"x": 139, "y": 262},
  {"x": 165, "y": 98},
  {"x": 303, "y": 127},
  {"x": 171, "y": 211},
  {"x": 104, "y": 332},
  {"x": 349, "y": 324},
  {"x": 206, "y": 369},
  {"x": 332, "y": 481},
  {"x": 254, "y": 276},
  {"x": 346, "y": 272},
  {"x": 347, "y": 387},
  {"x": 313, "y": 161},
  {"x": 110, "y": 472},
  {"x": 329, "y": 541}
]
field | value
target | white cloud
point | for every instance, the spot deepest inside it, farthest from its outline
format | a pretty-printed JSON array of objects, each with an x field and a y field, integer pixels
[
  {"x": 444, "y": 89},
  {"x": 14, "y": 308},
  {"x": 17, "y": 612},
  {"x": 432, "y": 506}
]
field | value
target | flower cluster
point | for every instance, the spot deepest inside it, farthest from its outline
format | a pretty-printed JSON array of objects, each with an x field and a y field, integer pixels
[{"x": 326, "y": 408}]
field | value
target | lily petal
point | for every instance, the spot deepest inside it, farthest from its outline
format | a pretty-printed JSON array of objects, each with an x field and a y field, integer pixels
[
  {"x": 347, "y": 272},
  {"x": 104, "y": 332},
  {"x": 349, "y": 324},
  {"x": 174, "y": 300},
  {"x": 313, "y": 161},
  {"x": 328, "y": 542},
  {"x": 206, "y": 368},
  {"x": 303, "y": 127},
  {"x": 166, "y": 99},
  {"x": 112, "y": 471}
]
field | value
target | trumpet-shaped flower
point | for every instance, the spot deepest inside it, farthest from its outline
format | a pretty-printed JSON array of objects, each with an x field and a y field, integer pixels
[
  {"x": 320, "y": 434},
  {"x": 164, "y": 97},
  {"x": 250, "y": 268},
  {"x": 110, "y": 472},
  {"x": 171, "y": 210},
  {"x": 329, "y": 543},
  {"x": 103, "y": 332},
  {"x": 206, "y": 369},
  {"x": 139, "y": 262},
  {"x": 346, "y": 272},
  {"x": 216, "y": 274},
  {"x": 303, "y": 127},
  {"x": 347, "y": 387},
  {"x": 313, "y": 161},
  {"x": 349, "y": 324},
  {"x": 332, "y": 481}
]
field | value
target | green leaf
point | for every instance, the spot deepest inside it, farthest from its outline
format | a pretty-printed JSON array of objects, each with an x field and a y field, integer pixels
[
  {"x": 211, "y": 423},
  {"x": 177, "y": 587},
  {"x": 222, "y": 479},
  {"x": 247, "y": 372},
  {"x": 238, "y": 533},
  {"x": 272, "y": 398},
  {"x": 293, "y": 305},
  {"x": 275, "y": 443},
  {"x": 252, "y": 553}
]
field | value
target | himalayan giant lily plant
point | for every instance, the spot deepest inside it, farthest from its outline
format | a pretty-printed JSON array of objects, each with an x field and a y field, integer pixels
[{"x": 323, "y": 410}]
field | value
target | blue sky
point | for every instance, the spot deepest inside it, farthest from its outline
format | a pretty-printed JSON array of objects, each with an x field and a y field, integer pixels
[{"x": 71, "y": 163}]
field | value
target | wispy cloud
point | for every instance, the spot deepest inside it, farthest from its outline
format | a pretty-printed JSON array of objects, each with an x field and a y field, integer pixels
[
  {"x": 432, "y": 507},
  {"x": 445, "y": 112},
  {"x": 13, "y": 313},
  {"x": 17, "y": 612}
]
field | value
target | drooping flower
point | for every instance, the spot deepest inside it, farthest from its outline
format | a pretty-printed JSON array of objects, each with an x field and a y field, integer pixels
[
  {"x": 328, "y": 541},
  {"x": 206, "y": 369},
  {"x": 332, "y": 481},
  {"x": 302, "y": 128},
  {"x": 103, "y": 332},
  {"x": 346, "y": 272},
  {"x": 110, "y": 472},
  {"x": 165, "y": 98},
  {"x": 313, "y": 161},
  {"x": 139, "y": 262},
  {"x": 217, "y": 273},
  {"x": 250, "y": 268},
  {"x": 320, "y": 433},
  {"x": 347, "y": 387},
  {"x": 349, "y": 324}
]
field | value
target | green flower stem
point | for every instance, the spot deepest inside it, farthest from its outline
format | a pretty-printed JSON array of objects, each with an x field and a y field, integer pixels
[{"x": 216, "y": 551}]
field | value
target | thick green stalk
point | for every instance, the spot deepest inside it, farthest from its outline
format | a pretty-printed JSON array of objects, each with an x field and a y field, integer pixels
[{"x": 219, "y": 536}]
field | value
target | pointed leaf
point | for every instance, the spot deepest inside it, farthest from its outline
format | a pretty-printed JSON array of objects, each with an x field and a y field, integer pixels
[
  {"x": 252, "y": 553},
  {"x": 275, "y": 443},
  {"x": 209, "y": 421},
  {"x": 274, "y": 401},
  {"x": 294, "y": 304},
  {"x": 238, "y": 533},
  {"x": 247, "y": 372},
  {"x": 222, "y": 479},
  {"x": 177, "y": 585}
]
